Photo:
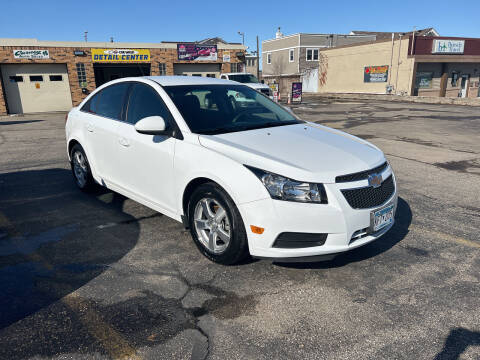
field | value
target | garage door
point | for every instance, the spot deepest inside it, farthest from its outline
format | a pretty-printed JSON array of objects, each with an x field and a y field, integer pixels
[
  {"x": 31, "y": 88},
  {"x": 207, "y": 70}
]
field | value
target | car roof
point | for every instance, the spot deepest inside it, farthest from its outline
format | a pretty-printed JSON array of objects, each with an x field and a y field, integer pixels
[
  {"x": 188, "y": 80},
  {"x": 237, "y": 73}
]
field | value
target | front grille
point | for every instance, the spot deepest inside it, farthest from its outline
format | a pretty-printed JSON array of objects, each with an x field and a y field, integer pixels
[
  {"x": 369, "y": 197},
  {"x": 361, "y": 175}
]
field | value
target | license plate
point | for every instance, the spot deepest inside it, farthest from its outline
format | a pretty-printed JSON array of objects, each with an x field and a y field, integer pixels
[{"x": 382, "y": 218}]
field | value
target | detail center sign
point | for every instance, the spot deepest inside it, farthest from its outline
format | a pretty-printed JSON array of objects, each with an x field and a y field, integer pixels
[
  {"x": 375, "y": 73},
  {"x": 197, "y": 52},
  {"x": 120, "y": 55}
]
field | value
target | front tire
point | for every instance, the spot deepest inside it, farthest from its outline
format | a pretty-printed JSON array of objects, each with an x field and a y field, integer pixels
[
  {"x": 81, "y": 169},
  {"x": 216, "y": 225}
]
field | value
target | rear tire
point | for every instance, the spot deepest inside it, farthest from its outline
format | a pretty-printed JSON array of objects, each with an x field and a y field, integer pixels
[
  {"x": 81, "y": 169},
  {"x": 216, "y": 225}
]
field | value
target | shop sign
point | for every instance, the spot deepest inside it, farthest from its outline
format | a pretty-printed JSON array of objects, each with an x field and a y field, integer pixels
[
  {"x": 120, "y": 55},
  {"x": 274, "y": 88},
  {"x": 194, "y": 52},
  {"x": 448, "y": 46},
  {"x": 375, "y": 73},
  {"x": 31, "y": 54},
  {"x": 424, "y": 80},
  {"x": 297, "y": 92},
  {"x": 226, "y": 57}
]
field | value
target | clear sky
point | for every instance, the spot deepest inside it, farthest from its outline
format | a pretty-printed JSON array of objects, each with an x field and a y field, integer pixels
[{"x": 154, "y": 21}]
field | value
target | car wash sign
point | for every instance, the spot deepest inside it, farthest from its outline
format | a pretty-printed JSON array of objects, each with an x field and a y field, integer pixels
[
  {"x": 194, "y": 52},
  {"x": 375, "y": 74},
  {"x": 120, "y": 55},
  {"x": 31, "y": 54}
]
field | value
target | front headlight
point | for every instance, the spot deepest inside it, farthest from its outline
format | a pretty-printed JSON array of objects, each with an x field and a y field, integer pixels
[{"x": 282, "y": 188}]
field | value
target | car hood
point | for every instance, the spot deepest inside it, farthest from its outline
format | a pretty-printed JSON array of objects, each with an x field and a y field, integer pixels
[{"x": 304, "y": 152}]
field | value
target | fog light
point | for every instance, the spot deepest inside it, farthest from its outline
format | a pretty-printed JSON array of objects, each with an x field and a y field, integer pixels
[{"x": 257, "y": 230}]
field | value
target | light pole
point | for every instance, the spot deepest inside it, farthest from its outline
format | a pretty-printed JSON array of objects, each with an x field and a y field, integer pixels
[{"x": 242, "y": 34}]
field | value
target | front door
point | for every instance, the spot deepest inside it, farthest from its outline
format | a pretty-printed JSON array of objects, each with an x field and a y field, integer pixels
[
  {"x": 464, "y": 85},
  {"x": 146, "y": 160},
  {"x": 103, "y": 115}
]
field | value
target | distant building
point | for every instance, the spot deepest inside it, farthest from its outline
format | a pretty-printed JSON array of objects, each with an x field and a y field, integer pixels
[
  {"x": 383, "y": 35},
  {"x": 296, "y": 58},
  {"x": 251, "y": 64},
  {"x": 420, "y": 65}
]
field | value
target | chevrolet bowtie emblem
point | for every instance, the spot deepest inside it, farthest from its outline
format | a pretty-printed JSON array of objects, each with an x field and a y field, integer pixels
[{"x": 375, "y": 180}]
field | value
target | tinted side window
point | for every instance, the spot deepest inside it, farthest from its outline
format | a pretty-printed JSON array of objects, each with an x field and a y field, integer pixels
[
  {"x": 110, "y": 103},
  {"x": 144, "y": 101},
  {"x": 91, "y": 105}
]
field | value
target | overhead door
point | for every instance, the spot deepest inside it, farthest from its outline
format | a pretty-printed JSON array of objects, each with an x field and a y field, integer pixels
[
  {"x": 206, "y": 70},
  {"x": 31, "y": 88}
]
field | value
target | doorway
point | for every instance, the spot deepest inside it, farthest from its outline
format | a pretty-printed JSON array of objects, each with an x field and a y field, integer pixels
[
  {"x": 464, "y": 85},
  {"x": 108, "y": 72}
]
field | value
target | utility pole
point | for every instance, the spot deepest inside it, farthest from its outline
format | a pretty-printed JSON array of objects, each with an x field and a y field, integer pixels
[
  {"x": 85, "y": 35},
  {"x": 258, "y": 61},
  {"x": 242, "y": 34}
]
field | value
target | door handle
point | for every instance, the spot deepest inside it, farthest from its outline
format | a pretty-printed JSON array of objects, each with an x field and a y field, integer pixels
[
  {"x": 123, "y": 142},
  {"x": 89, "y": 127}
]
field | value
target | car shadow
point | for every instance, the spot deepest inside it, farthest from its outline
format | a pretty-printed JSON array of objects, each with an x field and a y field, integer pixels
[
  {"x": 458, "y": 340},
  {"x": 52, "y": 241},
  {"x": 403, "y": 219}
]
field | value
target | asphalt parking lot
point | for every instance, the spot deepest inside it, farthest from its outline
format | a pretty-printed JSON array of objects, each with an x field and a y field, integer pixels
[{"x": 100, "y": 276}]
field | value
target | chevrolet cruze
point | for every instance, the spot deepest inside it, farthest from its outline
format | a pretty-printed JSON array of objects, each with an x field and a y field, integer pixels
[{"x": 246, "y": 177}]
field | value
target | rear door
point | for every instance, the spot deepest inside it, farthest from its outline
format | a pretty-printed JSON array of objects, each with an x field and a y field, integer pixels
[
  {"x": 102, "y": 115},
  {"x": 147, "y": 160}
]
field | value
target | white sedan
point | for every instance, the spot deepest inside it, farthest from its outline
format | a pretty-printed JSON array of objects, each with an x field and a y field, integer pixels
[{"x": 245, "y": 180}]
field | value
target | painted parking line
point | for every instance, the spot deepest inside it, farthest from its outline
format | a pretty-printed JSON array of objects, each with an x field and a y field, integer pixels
[
  {"x": 111, "y": 340},
  {"x": 447, "y": 237}
]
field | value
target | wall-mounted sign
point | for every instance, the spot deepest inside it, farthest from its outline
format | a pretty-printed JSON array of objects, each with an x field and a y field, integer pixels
[
  {"x": 194, "y": 52},
  {"x": 79, "y": 53},
  {"x": 226, "y": 57},
  {"x": 423, "y": 80},
  {"x": 375, "y": 73},
  {"x": 31, "y": 54},
  {"x": 120, "y": 55},
  {"x": 448, "y": 46},
  {"x": 297, "y": 92},
  {"x": 274, "y": 88}
]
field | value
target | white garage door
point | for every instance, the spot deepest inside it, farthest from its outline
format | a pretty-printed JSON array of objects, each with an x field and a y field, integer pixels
[
  {"x": 310, "y": 81},
  {"x": 31, "y": 88}
]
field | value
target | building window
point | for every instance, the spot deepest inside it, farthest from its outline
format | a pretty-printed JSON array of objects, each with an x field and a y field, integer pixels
[
  {"x": 36, "y": 78},
  {"x": 454, "y": 79},
  {"x": 312, "y": 54},
  {"x": 15, "y": 79},
  {"x": 162, "y": 69},
  {"x": 291, "y": 55},
  {"x": 55, "y": 77},
  {"x": 250, "y": 62},
  {"x": 82, "y": 75},
  {"x": 269, "y": 58},
  {"x": 236, "y": 67},
  {"x": 211, "y": 75}
]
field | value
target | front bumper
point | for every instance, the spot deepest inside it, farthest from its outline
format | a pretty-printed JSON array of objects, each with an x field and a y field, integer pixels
[{"x": 347, "y": 228}]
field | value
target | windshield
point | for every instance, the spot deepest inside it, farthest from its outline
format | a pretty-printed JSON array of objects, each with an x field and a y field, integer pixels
[
  {"x": 217, "y": 109},
  {"x": 243, "y": 78}
]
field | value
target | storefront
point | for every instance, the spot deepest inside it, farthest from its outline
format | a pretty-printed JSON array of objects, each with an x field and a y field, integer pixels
[
  {"x": 420, "y": 66},
  {"x": 40, "y": 76}
]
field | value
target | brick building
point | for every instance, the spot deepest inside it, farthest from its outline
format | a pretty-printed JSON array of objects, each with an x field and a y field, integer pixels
[{"x": 38, "y": 76}]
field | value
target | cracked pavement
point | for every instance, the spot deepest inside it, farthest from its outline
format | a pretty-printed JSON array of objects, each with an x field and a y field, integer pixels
[{"x": 100, "y": 276}]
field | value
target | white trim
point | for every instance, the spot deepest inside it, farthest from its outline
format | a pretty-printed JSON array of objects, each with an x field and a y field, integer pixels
[
  {"x": 313, "y": 51},
  {"x": 298, "y": 46},
  {"x": 283, "y": 37},
  {"x": 291, "y": 54}
]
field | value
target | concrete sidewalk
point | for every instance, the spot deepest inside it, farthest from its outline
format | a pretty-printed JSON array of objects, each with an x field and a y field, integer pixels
[{"x": 397, "y": 98}]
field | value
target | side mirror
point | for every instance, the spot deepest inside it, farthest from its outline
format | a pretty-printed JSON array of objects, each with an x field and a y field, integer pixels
[{"x": 151, "y": 125}]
